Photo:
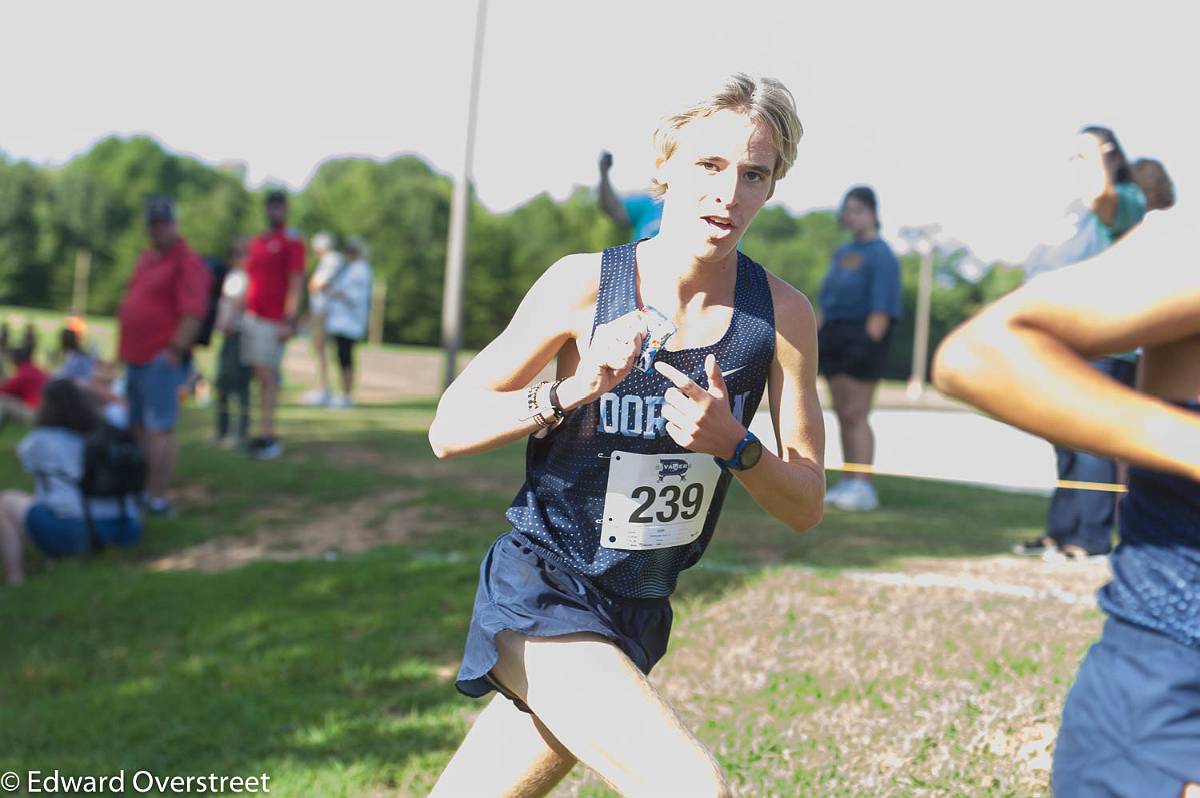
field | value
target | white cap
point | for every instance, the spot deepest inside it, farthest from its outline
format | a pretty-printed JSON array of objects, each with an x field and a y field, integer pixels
[{"x": 322, "y": 242}]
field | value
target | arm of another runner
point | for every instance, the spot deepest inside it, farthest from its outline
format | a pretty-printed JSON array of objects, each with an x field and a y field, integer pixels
[
  {"x": 1024, "y": 359},
  {"x": 790, "y": 485},
  {"x": 483, "y": 408}
]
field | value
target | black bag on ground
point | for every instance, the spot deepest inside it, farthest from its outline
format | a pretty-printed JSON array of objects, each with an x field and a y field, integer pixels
[{"x": 113, "y": 468}]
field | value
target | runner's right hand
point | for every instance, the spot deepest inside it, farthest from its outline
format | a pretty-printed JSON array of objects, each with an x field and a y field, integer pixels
[{"x": 614, "y": 350}]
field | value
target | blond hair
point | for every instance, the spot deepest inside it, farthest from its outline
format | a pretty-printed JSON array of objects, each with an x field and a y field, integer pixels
[{"x": 764, "y": 100}]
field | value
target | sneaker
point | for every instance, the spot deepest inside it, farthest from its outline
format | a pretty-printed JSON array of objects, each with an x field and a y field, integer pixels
[
  {"x": 152, "y": 505},
  {"x": 832, "y": 494},
  {"x": 317, "y": 397},
  {"x": 1081, "y": 554},
  {"x": 859, "y": 496},
  {"x": 231, "y": 442},
  {"x": 1038, "y": 547},
  {"x": 341, "y": 402},
  {"x": 266, "y": 449}
]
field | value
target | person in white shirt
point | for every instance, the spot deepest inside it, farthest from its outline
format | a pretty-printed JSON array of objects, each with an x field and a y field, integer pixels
[
  {"x": 347, "y": 312},
  {"x": 329, "y": 260}
]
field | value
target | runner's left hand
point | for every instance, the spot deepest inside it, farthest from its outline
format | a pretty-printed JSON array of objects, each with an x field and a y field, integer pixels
[{"x": 700, "y": 420}]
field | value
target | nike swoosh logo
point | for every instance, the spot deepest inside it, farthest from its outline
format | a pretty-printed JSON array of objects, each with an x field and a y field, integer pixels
[{"x": 732, "y": 371}]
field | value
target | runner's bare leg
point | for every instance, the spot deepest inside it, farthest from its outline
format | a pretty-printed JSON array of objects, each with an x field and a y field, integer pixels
[{"x": 506, "y": 753}]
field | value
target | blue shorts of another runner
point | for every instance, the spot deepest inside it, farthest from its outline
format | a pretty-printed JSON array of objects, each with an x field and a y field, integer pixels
[
  {"x": 523, "y": 588},
  {"x": 1131, "y": 724}
]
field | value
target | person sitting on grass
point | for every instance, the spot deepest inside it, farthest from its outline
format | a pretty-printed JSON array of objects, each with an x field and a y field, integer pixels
[
  {"x": 76, "y": 362},
  {"x": 106, "y": 391},
  {"x": 53, "y": 518},
  {"x": 21, "y": 393}
]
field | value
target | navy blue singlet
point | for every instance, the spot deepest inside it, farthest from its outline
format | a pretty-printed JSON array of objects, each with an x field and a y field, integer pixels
[
  {"x": 560, "y": 505},
  {"x": 1156, "y": 567},
  {"x": 1131, "y": 723}
]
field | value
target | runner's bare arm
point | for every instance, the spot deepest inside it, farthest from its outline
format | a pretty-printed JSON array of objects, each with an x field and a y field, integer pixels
[
  {"x": 483, "y": 408},
  {"x": 1024, "y": 358},
  {"x": 791, "y": 486}
]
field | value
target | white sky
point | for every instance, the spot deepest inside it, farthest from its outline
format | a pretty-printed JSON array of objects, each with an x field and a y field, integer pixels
[{"x": 956, "y": 112}]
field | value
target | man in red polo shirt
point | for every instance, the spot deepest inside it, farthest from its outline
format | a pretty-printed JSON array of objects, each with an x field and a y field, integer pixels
[
  {"x": 164, "y": 305},
  {"x": 275, "y": 275}
]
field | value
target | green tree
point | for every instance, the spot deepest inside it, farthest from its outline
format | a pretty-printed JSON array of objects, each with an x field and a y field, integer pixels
[
  {"x": 24, "y": 194},
  {"x": 402, "y": 208}
]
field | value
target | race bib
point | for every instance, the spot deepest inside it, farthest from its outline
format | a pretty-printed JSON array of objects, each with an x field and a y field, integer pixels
[{"x": 654, "y": 501}]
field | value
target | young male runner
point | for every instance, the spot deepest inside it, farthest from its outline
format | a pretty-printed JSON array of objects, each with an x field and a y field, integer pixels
[
  {"x": 1131, "y": 723},
  {"x": 623, "y": 491}
]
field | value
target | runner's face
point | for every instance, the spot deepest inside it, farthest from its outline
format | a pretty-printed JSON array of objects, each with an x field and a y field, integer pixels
[{"x": 717, "y": 179}]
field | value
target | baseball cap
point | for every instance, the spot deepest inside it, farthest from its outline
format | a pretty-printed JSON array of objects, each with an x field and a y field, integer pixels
[{"x": 323, "y": 241}]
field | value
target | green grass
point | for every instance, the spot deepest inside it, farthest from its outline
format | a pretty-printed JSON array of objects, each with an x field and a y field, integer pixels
[{"x": 334, "y": 676}]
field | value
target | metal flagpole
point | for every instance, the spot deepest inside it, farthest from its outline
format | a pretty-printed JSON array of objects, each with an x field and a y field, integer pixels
[
  {"x": 456, "y": 244},
  {"x": 920, "y": 364},
  {"x": 923, "y": 241}
]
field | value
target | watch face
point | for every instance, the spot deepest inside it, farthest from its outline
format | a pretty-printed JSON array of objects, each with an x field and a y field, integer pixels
[{"x": 751, "y": 453}]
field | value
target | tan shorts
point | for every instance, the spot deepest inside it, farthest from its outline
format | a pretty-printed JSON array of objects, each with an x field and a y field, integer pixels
[{"x": 261, "y": 344}]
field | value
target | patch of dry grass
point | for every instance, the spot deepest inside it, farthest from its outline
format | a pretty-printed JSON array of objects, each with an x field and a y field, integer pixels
[
  {"x": 813, "y": 686},
  {"x": 359, "y": 526}
]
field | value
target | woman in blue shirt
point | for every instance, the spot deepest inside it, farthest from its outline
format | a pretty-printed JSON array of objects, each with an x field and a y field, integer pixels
[
  {"x": 53, "y": 518},
  {"x": 860, "y": 303}
]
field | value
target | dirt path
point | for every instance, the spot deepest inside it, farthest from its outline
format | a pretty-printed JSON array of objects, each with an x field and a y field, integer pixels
[
  {"x": 876, "y": 688},
  {"x": 365, "y": 524}
]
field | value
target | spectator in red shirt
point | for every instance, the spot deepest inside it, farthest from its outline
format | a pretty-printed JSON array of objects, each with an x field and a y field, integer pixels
[
  {"x": 275, "y": 274},
  {"x": 21, "y": 394},
  {"x": 164, "y": 305}
]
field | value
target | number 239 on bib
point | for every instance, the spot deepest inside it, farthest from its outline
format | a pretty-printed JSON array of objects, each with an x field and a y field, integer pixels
[{"x": 654, "y": 501}]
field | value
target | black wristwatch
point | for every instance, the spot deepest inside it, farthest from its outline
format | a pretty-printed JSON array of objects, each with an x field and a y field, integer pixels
[
  {"x": 745, "y": 456},
  {"x": 556, "y": 405}
]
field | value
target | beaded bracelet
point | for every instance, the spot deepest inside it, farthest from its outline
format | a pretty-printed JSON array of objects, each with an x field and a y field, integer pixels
[{"x": 540, "y": 414}]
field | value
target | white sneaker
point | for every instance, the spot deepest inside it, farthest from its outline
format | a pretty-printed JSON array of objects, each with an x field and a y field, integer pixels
[
  {"x": 341, "y": 402},
  {"x": 265, "y": 449},
  {"x": 832, "y": 494},
  {"x": 859, "y": 496},
  {"x": 317, "y": 397}
]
